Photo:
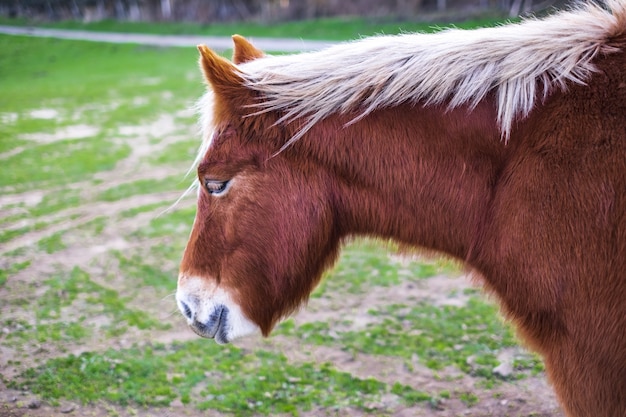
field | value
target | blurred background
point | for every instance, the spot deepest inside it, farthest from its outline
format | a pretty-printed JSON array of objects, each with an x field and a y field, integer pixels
[{"x": 207, "y": 11}]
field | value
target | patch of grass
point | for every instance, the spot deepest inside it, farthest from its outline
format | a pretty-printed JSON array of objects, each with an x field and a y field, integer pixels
[
  {"x": 440, "y": 336},
  {"x": 107, "y": 72},
  {"x": 9, "y": 234},
  {"x": 19, "y": 213},
  {"x": 316, "y": 333},
  {"x": 95, "y": 226},
  {"x": 56, "y": 201},
  {"x": 52, "y": 243},
  {"x": 11, "y": 270},
  {"x": 62, "y": 292},
  {"x": 468, "y": 337},
  {"x": 169, "y": 249},
  {"x": 366, "y": 263},
  {"x": 130, "y": 113},
  {"x": 136, "y": 269},
  {"x": 223, "y": 378},
  {"x": 143, "y": 209},
  {"x": 44, "y": 331},
  {"x": 181, "y": 152},
  {"x": 139, "y": 187},
  {"x": 409, "y": 394},
  {"x": 58, "y": 331},
  {"x": 65, "y": 290},
  {"x": 531, "y": 363},
  {"x": 336, "y": 28},
  {"x": 59, "y": 163},
  {"x": 176, "y": 222},
  {"x": 84, "y": 83},
  {"x": 469, "y": 398},
  {"x": 9, "y": 145}
]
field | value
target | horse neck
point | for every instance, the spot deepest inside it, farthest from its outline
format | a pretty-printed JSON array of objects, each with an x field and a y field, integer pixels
[{"x": 422, "y": 176}]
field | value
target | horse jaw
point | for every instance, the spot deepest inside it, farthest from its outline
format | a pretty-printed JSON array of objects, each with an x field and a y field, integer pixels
[{"x": 211, "y": 312}]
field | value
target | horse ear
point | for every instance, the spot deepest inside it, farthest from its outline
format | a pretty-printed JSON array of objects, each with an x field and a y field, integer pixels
[
  {"x": 219, "y": 73},
  {"x": 244, "y": 51}
]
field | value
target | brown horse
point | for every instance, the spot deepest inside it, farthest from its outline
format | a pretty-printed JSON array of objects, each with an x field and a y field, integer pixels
[{"x": 504, "y": 148}]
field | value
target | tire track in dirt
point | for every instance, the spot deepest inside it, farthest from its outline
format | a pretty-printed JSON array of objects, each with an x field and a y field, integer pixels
[
  {"x": 79, "y": 216},
  {"x": 133, "y": 167}
]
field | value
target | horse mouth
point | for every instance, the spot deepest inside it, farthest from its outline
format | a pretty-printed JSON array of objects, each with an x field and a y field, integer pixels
[{"x": 216, "y": 327}]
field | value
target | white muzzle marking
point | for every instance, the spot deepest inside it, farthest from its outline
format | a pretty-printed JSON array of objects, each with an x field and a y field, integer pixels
[{"x": 211, "y": 312}]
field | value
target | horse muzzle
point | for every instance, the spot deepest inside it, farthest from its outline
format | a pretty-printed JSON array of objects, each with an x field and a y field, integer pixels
[
  {"x": 216, "y": 327},
  {"x": 210, "y": 312}
]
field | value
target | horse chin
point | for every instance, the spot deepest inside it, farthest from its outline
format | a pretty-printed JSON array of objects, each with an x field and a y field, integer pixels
[{"x": 211, "y": 313}]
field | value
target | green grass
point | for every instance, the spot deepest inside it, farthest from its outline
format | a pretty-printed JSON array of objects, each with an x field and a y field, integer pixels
[
  {"x": 12, "y": 269},
  {"x": 467, "y": 337},
  {"x": 181, "y": 152},
  {"x": 143, "y": 209},
  {"x": 222, "y": 378},
  {"x": 368, "y": 263},
  {"x": 440, "y": 336},
  {"x": 176, "y": 221},
  {"x": 138, "y": 270},
  {"x": 9, "y": 234},
  {"x": 94, "y": 227},
  {"x": 338, "y": 28},
  {"x": 139, "y": 187},
  {"x": 12, "y": 233},
  {"x": 50, "y": 67},
  {"x": 52, "y": 243},
  {"x": 55, "y": 201},
  {"x": 76, "y": 291},
  {"x": 67, "y": 161}
]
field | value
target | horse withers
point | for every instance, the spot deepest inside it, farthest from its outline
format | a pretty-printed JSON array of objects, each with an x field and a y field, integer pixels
[{"x": 504, "y": 148}]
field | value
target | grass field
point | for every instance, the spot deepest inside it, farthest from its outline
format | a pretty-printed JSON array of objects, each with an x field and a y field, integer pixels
[
  {"x": 339, "y": 28},
  {"x": 95, "y": 143}
]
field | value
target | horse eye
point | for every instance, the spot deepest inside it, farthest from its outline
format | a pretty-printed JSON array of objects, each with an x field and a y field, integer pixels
[{"x": 215, "y": 187}]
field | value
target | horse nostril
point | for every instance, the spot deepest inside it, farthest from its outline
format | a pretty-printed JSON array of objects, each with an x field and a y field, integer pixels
[{"x": 186, "y": 310}]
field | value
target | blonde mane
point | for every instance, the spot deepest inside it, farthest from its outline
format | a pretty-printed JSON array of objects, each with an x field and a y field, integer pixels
[{"x": 517, "y": 62}]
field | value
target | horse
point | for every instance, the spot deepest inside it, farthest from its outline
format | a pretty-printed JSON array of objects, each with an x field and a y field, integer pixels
[{"x": 503, "y": 148}]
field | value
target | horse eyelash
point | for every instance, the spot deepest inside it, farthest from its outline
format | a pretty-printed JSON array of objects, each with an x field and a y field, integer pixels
[{"x": 223, "y": 186}]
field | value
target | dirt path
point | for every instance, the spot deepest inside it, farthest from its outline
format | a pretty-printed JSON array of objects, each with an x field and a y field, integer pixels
[{"x": 214, "y": 42}]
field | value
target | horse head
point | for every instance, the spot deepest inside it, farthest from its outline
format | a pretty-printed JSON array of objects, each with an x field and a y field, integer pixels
[{"x": 264, "y": 229}]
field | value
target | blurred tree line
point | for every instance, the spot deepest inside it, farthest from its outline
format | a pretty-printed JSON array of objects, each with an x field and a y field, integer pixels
[{"x": 206, "y": 11}]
